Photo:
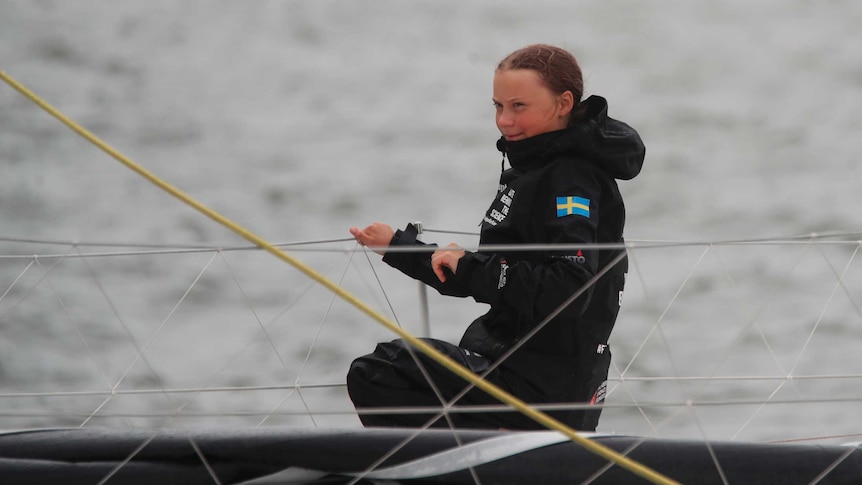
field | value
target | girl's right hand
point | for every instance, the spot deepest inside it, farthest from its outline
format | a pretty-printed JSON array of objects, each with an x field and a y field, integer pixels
[{"x": 377, "y": 236}]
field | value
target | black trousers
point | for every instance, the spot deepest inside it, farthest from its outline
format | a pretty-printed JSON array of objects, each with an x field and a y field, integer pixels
[{"x": 391, "y": 377}]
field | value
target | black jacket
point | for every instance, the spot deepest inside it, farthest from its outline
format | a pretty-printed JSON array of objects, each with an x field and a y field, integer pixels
[{"x": 561, "y": 189}]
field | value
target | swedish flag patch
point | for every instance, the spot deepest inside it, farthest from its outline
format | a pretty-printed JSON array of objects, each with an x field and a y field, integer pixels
[{"x": 573, "y": 205}]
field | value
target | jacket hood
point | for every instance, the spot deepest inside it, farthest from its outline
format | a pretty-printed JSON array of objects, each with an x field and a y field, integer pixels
[{"x": 611, "y": 144}]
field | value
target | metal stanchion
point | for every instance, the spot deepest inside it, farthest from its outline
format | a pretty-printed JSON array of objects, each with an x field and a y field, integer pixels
[{"x": 425, "y": 320}]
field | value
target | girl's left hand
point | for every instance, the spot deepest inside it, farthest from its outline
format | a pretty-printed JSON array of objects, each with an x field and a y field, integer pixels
[{"x": 446, "y": 258}]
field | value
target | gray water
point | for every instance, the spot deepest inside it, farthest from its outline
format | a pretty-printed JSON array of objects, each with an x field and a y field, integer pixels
[{"x": 298, "y": 119}]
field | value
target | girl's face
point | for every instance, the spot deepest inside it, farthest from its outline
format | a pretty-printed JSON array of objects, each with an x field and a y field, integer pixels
[{"x": 526, "y": 107}]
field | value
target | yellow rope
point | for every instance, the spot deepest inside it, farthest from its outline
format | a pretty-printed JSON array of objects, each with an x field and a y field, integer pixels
[{"x": 496, "y": 392}]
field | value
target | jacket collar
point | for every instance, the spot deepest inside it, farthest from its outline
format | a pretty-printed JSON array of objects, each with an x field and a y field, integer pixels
[{"x": 531, "y": 152}]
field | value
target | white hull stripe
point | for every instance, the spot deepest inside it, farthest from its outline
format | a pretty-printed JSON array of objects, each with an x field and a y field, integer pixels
[
  {"x": 469, "y": 455},
  {"x": 448, "y": 461}
]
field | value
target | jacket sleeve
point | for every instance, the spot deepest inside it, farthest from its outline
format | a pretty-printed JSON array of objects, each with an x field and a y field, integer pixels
[
  {"x": 413, "y": 258},
  {"x": 537, "y": 286}
]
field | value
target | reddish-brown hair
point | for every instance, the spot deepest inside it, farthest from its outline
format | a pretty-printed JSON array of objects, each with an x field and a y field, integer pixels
[{"x": 556, "y": 67}]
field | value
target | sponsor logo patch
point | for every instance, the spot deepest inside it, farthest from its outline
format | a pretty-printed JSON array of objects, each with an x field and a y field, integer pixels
[
  {"x": 599, "y": 395},
  {"x": 504, "y": 268}
]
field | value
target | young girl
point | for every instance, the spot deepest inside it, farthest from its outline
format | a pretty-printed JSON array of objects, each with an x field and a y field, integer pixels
[{"x": 545, "y": 337}]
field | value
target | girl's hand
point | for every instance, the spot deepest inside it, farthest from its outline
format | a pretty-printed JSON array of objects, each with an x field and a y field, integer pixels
[
  {"x": 377, "y": 236},
  {"x": 446, "y": 258}
]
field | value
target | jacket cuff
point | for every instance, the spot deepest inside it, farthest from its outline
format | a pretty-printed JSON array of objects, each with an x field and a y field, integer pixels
[
  {"x": 474, "y": 277},
  {"x": 407, "y": 237}
]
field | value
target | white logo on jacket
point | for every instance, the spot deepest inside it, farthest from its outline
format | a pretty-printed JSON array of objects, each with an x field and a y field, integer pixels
[
  {"x": 504, "y": 268},
  {"x": 496, "y": 216}
]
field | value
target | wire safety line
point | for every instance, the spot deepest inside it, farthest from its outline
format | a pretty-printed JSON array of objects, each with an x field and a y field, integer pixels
[
  {"x": 657, "y": 326},
  {"x": 128, "y": 333},
  {"x": 499, "y": 394},
  {"x": 69, "y": 318},
  {"x": 248, "y": 302},
  {"x": 839, "y": 284},
  {"x": 462, "y": 409},
  {"x": 296, "y": 385},
  {"x": 204, "y": 460}
]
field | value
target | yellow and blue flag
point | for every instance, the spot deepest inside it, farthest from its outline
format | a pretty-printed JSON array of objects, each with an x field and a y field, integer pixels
[{"x": 571, "y": 204}]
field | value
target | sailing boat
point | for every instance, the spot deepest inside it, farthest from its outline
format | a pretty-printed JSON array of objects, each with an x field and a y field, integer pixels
[{"x": 275, "y": 454}]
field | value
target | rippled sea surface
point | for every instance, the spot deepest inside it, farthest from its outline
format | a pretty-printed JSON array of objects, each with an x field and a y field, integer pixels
[{"x": 298, "y": 119}]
